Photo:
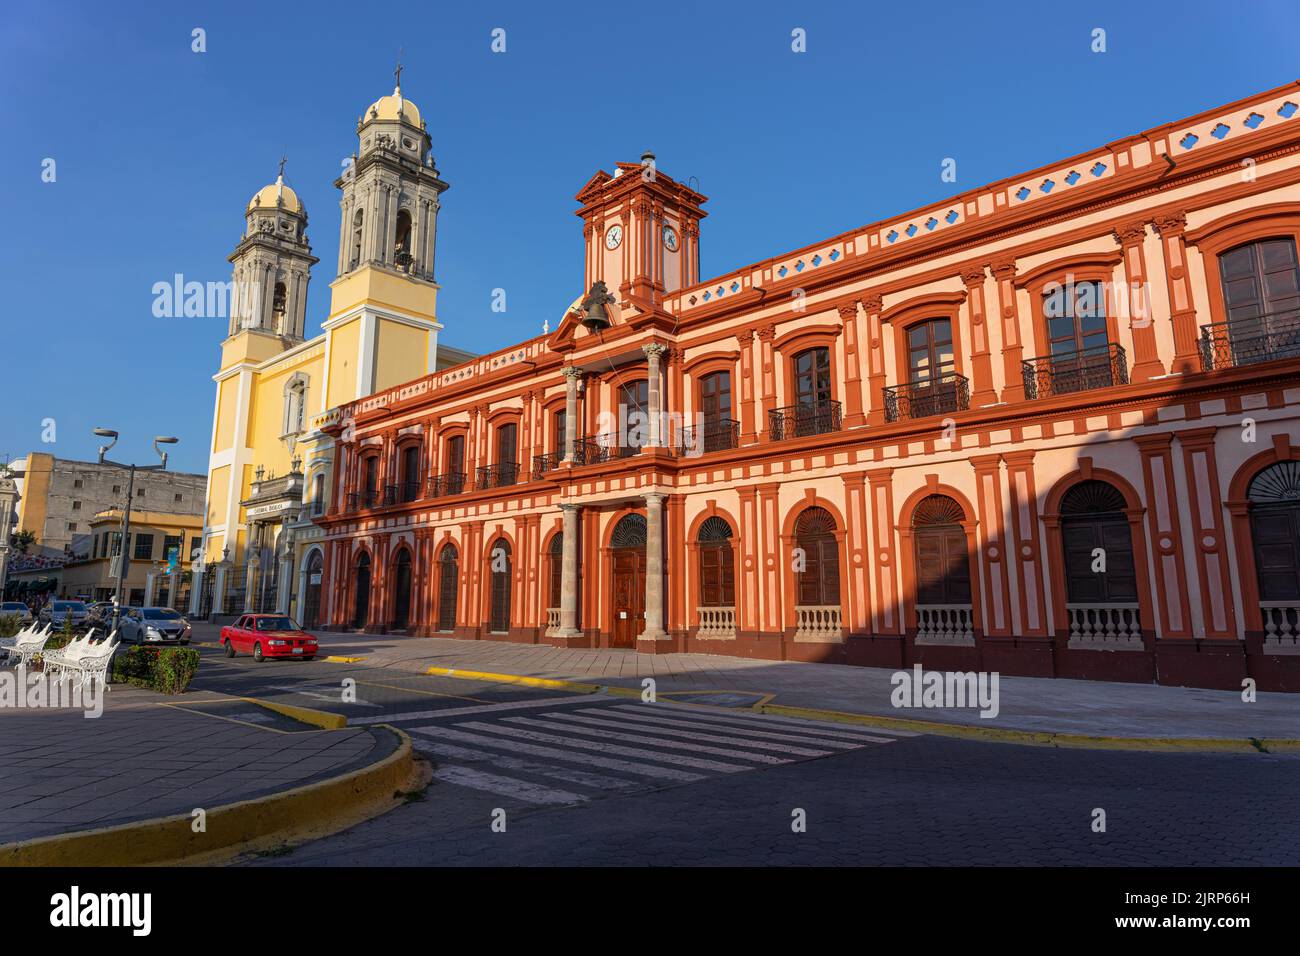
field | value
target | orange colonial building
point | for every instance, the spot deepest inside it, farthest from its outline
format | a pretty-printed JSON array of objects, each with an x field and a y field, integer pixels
[{"x": 1048, "y": 427}]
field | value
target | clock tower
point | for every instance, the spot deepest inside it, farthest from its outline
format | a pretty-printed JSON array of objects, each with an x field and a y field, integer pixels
[{"x": 642, "y": 231}]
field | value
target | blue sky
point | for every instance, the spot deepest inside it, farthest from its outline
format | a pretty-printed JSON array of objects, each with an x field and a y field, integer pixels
[{"x": 159, "y": 148}]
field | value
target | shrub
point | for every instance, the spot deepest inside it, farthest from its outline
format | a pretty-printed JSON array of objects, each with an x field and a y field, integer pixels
[
  {"x": 167, "y": 670},
  {"x": 10, "y": 625}
]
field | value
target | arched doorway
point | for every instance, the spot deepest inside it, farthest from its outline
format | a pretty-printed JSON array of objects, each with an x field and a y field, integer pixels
[
  {"x": 944, "y": 614},
  {"x": 817, "y": 586},
  {"x": 448, "y": 587},
  {"x": 311, "y": 592},
  {"x": 1274, "y": 496},
  {"x": 555, "y": 586},
  {"x": 1101, "y": 593},
  {"x": 627, "y": 546},
  {"x": 402, "y": 590},
  {"x": 717, "y": 577},
  {"x": 361, "y": 582},
  {"x": 499, "y": 567}
]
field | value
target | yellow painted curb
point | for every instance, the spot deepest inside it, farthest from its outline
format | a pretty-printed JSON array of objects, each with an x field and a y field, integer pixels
[
  {"x": 575, "y": 686},
  {"x": 336, "y": 659},
  {"x": 1036, "y": 738},
  {"x": 317, "y": 718},
  {"x": 305, "y": 812}
]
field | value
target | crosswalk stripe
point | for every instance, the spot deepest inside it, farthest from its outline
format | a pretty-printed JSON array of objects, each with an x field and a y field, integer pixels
[
  {"x": 650, "y": 734},
  {"x": 697, "y": 763},
  {"x": 580, "y": 777},
  {"x": 461, "y": 711},
  {"x": 505, "y": 786},
  {"x": 684, "y": 721},
  {"x": 762, "y": 720},
  {"x": 678, "y": 729},
  {"x": 534, "y": 750}
]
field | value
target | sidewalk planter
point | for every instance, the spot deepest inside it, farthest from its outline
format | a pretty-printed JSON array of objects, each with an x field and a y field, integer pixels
[{"x": 167, "y": 670}]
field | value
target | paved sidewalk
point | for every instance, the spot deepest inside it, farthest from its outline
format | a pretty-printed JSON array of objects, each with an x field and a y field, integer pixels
[
  {"x": 149, "y": 755},
  {"x": 1093, "y": 708}
]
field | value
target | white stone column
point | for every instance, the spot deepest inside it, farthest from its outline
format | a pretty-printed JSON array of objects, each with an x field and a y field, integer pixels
[
  {"x": 219, "y": 590},
  {"x": 654, "y": 570},
  {"x": 174, "y": 588},
  {"x": 150, "y": 581},
  {"x": 653, "y": 351},
  {"x": 571, "y": 377},
  {"x": 284, "y": 589},
  {"x": 569, "y": 574},
  {"x": 196, "y": 590}
]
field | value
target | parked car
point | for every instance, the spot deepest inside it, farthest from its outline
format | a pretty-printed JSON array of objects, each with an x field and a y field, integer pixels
[
  {"x": 154, "y": 625},
  {"x": 100, "y": 611},
  {"x": 268, "y": 635},
  {"x": 59, "y": 612},
  {"x": 18, "y": 610}
]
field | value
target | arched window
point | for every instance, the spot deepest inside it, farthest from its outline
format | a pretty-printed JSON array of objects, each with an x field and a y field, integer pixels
[
  {"x": 1261, "y": 293},
  {"x": 499, "y": 568},
  {"x": 361, "y": 581},
  {"x": 402, "y": 240},
  {"x": 715, "y": 409},
  {"x": 556, "y": 561},
  {"x": 812, "y": 378},
  {"x": 929, "y": 352},
  {"x": 630, "y": 532},
  {"x": 1274, "y": 496},
  {"x": 402, "y": 590},
  {"x": 716, "y": 564},
  {"x": 448, "y": 587},
  {"x": 939, "y": 543},
  {"x": 819, "y": 583},
  {"x": 370, "y": 481},
  {"x": 358, "y": 222},
  {"x": 1076, "y": 316},
  {"x": 635, "y": 398},
  {"x": 1098, "y": 544},
  {"x": 410, "y": 472},
  {"x": 279, "y": 303},
  {"x": 295, "y": 405}
]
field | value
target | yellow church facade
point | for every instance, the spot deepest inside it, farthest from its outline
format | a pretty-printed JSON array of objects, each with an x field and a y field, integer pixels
[{"x": 269, "y": 459}]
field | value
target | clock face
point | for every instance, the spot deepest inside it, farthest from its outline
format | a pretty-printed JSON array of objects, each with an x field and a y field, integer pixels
[
  {"x": 613, "y": 236},
  {"x": 670, "y": 239}
]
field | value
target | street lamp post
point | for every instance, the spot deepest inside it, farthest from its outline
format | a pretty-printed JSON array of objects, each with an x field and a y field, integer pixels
[{"x": 123, "y": 558}]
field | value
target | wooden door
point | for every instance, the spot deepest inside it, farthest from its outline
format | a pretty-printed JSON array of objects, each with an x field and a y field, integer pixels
[{"x": 629, "y": 596}]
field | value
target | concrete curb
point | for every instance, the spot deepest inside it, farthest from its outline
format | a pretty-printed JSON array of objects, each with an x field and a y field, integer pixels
[
  {"x": 544, "y": 682},
  {"x": 987, "y": 734},
  {"x": 317, "y": 718},
  {"x": 306, "y": 812}
]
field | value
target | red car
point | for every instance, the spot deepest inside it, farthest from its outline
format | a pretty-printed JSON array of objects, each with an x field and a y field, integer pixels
[{"x": 268, "y": 635}]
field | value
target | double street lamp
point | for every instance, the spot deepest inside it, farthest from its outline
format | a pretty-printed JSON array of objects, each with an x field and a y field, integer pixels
[{"x": 124, "y": 558}]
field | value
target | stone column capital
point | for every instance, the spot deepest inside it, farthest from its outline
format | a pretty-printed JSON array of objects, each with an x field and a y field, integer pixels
[
  {"x": 654, "y": 350},
  {"x": 572, "y": 373}
]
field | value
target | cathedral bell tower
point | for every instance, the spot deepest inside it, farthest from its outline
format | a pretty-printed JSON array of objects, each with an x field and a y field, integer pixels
[
  {"x": 272, "y": 266},
  {"x": 385, "y": 296}
]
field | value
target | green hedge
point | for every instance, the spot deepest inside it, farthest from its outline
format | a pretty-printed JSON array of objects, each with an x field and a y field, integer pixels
[{"x": 167, "y": 670}]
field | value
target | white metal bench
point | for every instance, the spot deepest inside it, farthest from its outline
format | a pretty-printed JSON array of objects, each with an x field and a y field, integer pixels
[
  {"x": 26, "y": 644},
  {"x": 83, "y": 659}
]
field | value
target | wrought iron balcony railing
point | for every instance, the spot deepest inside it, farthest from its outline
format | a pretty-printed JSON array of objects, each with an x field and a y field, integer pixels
[
  {"x": 594, "y": 449},
  {"x": 544, "y": 463},
  {"x": 502, "y": 475},
  {"x": 931, "y": 396},
  {"x": 390, "y": 495},
  {"x": 452, "y": 483},
  {"x": 316, "y": 508},
  {"x": 797, "y": 421},
  {"x": 1248, "y": 341},
  {"x": 369, "y": 498},
  {"x": 354, "y": 502},
  {"x": 1099, "y": 367},
  {"x": 410, "y": 489},
  {"x": 715, "y": 434}
]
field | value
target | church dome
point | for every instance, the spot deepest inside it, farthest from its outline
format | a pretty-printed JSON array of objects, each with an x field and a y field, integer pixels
[
  {"x": 267, "y": 196},
  {"x": 387, "y": 108}
]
